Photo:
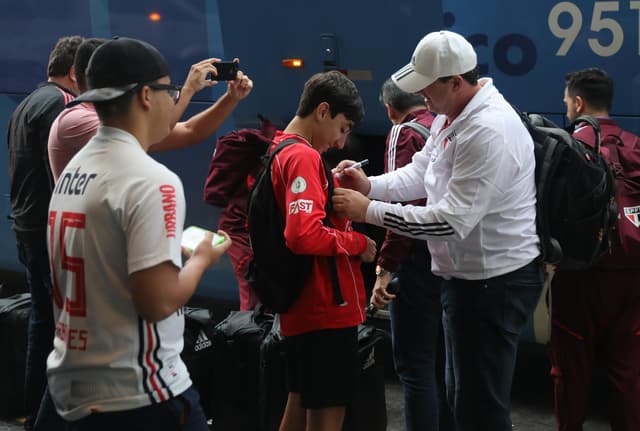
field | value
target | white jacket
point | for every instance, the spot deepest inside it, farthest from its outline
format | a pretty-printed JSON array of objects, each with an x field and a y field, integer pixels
[{"x": 478, "y": 176}]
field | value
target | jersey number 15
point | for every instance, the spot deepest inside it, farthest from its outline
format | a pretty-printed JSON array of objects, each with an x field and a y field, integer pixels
[{"x": 74, "y": 306}]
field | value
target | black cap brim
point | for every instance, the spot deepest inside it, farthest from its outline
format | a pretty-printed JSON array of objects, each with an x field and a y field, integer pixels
[{"x": 102, "y": 94}]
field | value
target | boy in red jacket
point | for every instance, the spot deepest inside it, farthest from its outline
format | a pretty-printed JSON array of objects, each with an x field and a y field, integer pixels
[{"x": 321, "y": 336}]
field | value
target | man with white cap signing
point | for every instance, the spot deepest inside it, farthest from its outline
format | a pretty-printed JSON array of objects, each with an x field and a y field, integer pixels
[{"x": 477, "y": 173}]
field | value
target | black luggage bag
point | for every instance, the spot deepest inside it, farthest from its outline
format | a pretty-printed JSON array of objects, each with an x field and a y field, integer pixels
[
  {"x": 14, "y": 323},
  {"x": 273, "y": 379},
  {"x": 235, "y": 398},
  {"x": 369, "y": 411},
  {"x": 202, "y": 344}
]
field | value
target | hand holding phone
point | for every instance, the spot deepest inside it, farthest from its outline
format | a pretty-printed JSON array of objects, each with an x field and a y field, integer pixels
[
  {"x": 227, "y": 71},
  {"x": 193, "y": 235}
]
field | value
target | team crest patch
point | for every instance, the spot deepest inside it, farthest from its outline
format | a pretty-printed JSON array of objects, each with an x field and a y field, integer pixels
[
  {"x": 633, "y": 215},
  {"x": 298, "y": 185},
  {"x": 301, "y": 205}
]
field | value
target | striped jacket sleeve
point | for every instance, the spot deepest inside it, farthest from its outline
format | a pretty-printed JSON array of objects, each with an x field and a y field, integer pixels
[
  {"x": 480, "y": 177},
  {"x": 402, "y": 144}
]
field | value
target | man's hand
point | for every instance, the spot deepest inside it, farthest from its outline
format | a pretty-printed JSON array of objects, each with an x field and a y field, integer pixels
[
  {"x": 370, "y": 252},
  {"x": 197, "y": 77},
  {"x": 239, "y": 88},
  {"x": 350, "y": 204},
  {"x": 379, "y": 296},
  {"x": 206, "y": 252},
  {"x": 354, "y": 179},
  {"x": 197, "y": 80}
]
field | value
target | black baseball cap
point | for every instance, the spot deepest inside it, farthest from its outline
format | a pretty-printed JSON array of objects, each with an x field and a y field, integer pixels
[{"x": 119, "y": 66}]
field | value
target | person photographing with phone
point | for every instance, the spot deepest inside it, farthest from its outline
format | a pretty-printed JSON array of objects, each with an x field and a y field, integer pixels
[{"x": 75, "y": 125}]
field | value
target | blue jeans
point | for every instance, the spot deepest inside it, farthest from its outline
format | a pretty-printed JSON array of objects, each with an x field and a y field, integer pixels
[
  {"x": 418, "y": 345},
  {"x": 482, "y": 323},
  {"x": 182, "y": 412},
  {"x": 33, "y": 254}
]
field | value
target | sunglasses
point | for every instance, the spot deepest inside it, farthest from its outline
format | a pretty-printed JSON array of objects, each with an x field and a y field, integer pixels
[{"x": 173, "y": 90}]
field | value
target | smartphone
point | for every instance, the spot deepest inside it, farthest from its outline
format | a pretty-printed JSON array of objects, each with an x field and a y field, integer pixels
[
  {"x": 193, "y": 235},
  {"x": 227, "y": 71}
]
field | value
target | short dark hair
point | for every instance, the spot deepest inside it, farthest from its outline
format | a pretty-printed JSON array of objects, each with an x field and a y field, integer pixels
[
  {"x": 593, "y": 85},
  {"x": 81, "y": 61},
  {"x": 471, "y": 76},
  {"x": 62, "y": 56},
  {"x": 118, "y": 107},
  {"x": 335, "y": 89},
  {"x": 398, "y": 99}
]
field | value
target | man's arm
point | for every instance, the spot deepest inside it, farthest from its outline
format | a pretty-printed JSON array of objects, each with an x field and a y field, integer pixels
[
  {"x": 196, "y": 81},
  {"x": 479, "y": 179},
  {"x": 401, "y": 185},
  {"x": 204, "y": 124},
  {"x": 159, "y": 291}
]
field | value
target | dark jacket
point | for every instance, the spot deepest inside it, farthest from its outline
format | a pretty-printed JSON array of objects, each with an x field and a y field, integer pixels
[{"x": 30, "y": 176}]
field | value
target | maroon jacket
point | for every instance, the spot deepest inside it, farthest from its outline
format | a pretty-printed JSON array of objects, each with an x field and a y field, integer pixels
[
  {"x": 235, "y": 164},
  {"x": 402, "y": 143}
]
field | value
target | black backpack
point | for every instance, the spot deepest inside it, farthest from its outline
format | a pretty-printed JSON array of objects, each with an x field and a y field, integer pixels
[
  {"x": 575, "y": 206},
  {"x": 275, "y": 273}
]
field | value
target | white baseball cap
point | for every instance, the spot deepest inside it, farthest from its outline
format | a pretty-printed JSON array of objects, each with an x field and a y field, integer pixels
[{"x": 438, "y": 54}]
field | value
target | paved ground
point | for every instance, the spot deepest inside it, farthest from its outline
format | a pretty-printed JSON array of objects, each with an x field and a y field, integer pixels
[
  {"x": 532, "y": 400},
  {"x": 532, "y": 408}
]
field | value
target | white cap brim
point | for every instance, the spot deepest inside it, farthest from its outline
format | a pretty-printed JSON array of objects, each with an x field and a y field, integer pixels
[{"x": 407, "y": 79}]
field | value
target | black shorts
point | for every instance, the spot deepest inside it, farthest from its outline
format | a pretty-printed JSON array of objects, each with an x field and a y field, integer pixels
[{"x": 324, "y": 367}]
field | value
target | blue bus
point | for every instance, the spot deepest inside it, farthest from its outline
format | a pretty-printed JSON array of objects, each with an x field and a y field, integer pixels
[{"x": 526, "y": 47}]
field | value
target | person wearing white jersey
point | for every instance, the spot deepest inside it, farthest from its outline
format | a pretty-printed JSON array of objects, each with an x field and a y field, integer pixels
[
  {"x": 115, "y": 225},
  {"x": 477, "y": 171}
]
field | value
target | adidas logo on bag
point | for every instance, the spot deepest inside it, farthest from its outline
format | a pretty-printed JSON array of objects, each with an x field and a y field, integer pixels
[{"x": 202, "y": 342}]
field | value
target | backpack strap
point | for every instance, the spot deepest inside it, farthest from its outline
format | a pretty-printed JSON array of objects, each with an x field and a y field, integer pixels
[
  {"x": 612, "y": 142},
  {"x": 333, "y": 269},
  {"x": 270, "y": 156},
  {"x": 420, "y": 128},
  {"x": 593, "y": 122},
  {"x": 621, "y": 138},
  {"x": 328, "y": 207}
]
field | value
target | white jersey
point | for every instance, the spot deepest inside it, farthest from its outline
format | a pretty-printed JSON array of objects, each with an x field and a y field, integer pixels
[
  {"x": 114, "y": 211},
  {"x": 478, "y": 176}
]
